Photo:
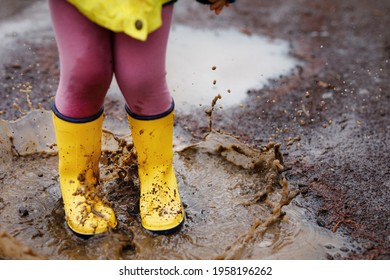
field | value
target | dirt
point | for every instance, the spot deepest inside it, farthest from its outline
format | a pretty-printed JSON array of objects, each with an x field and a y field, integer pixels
[{"x": 330, "y": 114}]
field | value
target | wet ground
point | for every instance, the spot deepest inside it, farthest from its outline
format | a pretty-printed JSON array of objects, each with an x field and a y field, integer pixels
[{"x": 329, "y": 114}]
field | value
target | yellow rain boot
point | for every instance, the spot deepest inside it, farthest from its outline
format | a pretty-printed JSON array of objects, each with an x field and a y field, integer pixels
[
  {"x": 79, "y": 148},
  {"x": 161, "y": 209}
]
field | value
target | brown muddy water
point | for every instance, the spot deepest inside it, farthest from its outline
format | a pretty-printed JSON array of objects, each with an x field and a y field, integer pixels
[{"x": 237, "y": 201}]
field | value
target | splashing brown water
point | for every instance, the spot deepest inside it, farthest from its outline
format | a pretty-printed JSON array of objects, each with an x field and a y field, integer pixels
[{"x": 237, "y": 201}]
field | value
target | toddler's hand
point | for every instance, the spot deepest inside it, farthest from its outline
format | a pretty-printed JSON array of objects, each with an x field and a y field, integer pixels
[{"x": 217, "y": 5}]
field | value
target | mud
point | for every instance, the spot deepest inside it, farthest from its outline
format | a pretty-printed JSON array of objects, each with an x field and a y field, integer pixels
[
  {"x": 330, "y": 116},
  {"x": 236, "y": 200}
]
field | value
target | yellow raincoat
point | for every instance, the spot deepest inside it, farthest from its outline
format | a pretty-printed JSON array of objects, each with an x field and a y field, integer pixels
[{"x": 136, "y": 18}]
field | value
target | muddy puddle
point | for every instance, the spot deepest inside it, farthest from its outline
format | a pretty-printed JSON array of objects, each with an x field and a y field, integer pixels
[{"x": 238, "y": 203}]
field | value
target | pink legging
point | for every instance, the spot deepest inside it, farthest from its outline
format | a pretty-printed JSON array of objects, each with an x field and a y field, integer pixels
[{"x": 90, "y": 55}]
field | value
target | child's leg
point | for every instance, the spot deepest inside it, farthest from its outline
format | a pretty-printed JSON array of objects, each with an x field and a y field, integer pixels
[
  {"x": 140, "y": 69},
  {"x": 86, "y": 73},
  {"x": 140, "y": 72},
  {"x": 85, "y": 61}
]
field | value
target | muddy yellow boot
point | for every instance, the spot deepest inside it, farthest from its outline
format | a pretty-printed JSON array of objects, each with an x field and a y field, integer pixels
[
  {"x": 161, "y": 209},
  {"x": 79, "y": 148}
]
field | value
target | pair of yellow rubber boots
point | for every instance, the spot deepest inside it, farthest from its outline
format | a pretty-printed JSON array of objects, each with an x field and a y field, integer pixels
[{"x": 79, "y": 150}]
